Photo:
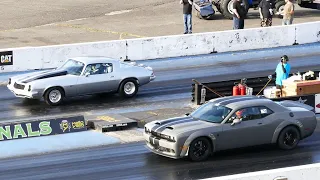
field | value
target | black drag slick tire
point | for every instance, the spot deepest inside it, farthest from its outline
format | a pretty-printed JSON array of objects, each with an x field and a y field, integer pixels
[
  {"x": 200, "y": 149},
  {"x": 128, "y": 88},
  {"x": 289, "y": 138}
]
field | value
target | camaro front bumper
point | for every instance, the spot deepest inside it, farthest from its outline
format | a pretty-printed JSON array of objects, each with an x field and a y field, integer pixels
[
  {"x": 23, "y": 93},
  {"x": 152, "y": 78},
  {"x": 163, "y": 147}
]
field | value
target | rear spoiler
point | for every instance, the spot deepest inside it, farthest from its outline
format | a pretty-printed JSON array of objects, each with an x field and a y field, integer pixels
[
  {"x": 140, "y": 65},
  {"x": 290, "y": 103}
]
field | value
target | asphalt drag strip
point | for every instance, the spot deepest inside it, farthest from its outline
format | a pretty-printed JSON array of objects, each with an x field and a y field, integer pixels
[{"x": 134, "y": 161}]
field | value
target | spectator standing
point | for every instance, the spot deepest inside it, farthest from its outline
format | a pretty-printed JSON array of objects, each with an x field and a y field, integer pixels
[
  {"x": 266, "y": 12},
  {"x": 187, "y": 15},
  {"x": 239, "y": 11},
  {"x": 282, "y": 71},
  {"x": 288, "y": 12}
]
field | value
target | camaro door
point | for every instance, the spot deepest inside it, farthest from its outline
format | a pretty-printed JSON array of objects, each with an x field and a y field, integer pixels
[
  {"x": 95, "y": 79},
  {"x": 248, "y": 132}
]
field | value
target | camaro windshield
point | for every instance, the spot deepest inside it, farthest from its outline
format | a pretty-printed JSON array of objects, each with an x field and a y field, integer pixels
[
  {"x": 211, "y": 112},
  {"x": 73, "y": 67}
]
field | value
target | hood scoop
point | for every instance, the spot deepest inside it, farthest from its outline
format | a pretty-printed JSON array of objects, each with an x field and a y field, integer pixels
[
  {"x": 158, "y": 123},
  {"x": 169, "y": 127}
]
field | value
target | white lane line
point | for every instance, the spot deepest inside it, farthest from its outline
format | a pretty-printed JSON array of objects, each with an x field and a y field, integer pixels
[{"x": 117, "y": 12}]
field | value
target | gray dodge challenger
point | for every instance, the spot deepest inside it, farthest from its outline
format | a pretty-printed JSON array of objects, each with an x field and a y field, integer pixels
[{"x": 228, "y": 123}]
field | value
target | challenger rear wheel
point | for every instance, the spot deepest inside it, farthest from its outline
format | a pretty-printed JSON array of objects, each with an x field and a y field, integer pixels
[
  {"x": 129, "y": 88},
  {"x": 289, "y": 138},
  {"x": 54, "y": 96},
  {"x": 200, "y": 149}
]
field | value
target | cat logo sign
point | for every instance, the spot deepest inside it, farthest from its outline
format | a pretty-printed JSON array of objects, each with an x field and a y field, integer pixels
[{"x": 6, "y": 58}]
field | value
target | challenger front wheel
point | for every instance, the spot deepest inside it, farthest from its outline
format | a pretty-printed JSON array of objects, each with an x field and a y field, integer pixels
[{"x": 200, "y": 149}]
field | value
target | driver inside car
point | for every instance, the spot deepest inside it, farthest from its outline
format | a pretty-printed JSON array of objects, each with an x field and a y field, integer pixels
[{"x": 241, "y": 114}]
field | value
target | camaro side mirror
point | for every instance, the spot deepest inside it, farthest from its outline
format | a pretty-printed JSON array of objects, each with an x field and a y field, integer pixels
[
  {"x": 236, "y": 121},
  {"x": 87, "y": 74},
  {"x": 187, "y": 114}
]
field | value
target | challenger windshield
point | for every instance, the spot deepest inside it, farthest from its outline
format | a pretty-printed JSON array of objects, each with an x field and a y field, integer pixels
[
  {"x": 73, "y": 67},
  {"x": 211, "y": 112}
]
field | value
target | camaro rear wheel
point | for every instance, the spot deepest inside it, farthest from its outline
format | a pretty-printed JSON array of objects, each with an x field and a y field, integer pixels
[
  {"x": 54, "y": 96},
  {"x": 200, "y": 149},
  {"x": 129, "y": 88},
  {"x": 289, "y": 138}
]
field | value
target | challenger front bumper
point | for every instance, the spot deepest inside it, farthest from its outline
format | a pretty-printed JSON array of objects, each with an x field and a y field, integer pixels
[{"x": 163, "y": 147}]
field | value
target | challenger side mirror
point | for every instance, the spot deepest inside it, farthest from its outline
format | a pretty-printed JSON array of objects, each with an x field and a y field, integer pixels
[
  {"x": 87, "y": 74},
  {"x": 236, "y": 121}
]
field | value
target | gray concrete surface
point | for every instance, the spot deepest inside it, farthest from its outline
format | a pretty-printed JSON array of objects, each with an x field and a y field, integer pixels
[{"x": 44, "y": 22}]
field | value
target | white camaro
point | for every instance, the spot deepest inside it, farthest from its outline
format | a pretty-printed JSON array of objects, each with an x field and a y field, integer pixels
[{"x": 82, "y": 76}]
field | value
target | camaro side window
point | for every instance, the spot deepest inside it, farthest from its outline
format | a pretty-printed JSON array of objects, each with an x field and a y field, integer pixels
[{"x": 99, "y": 68}]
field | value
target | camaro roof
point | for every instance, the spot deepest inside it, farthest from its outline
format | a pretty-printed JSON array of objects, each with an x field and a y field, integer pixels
[
  {"x": 94, "y": 59},
  {"x": 239, "y": 101}
]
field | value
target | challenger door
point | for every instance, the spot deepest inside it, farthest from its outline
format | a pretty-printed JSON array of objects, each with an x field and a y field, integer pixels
[{"x": 249, "y": 131}]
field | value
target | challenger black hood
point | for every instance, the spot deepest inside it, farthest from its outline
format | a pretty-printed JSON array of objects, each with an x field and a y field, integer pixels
[{"x": 43, "y": 75}]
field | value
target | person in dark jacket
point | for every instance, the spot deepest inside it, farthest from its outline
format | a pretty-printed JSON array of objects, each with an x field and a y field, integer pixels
[
  {"x": 239, "y": 13},
  {"x": 187, "y": 15},
  {"x": 266, "y": 12}
]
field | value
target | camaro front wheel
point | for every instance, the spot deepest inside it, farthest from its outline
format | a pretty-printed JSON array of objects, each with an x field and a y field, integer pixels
[
  {"x": 54, "y": 96},
  {"x": 200, "y": 149},
  {"x": 289, "y": 138},
  {"x": 129, "y": 88}
]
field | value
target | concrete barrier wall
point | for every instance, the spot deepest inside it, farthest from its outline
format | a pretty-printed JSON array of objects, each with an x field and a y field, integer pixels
[
  {"x": 29, "y": 58},
  {"x": 308, "y": 32},
  {"x": 305, "y": 172}
]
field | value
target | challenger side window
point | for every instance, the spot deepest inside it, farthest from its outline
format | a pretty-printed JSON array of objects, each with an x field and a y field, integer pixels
[
  {"x": 265, "y": 111},
  {"x": 247, "y": 114}
]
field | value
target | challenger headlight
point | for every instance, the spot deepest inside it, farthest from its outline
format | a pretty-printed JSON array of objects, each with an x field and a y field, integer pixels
[
  {"x": 169, "y": 138},
  {"x": 146, "y": 130}
]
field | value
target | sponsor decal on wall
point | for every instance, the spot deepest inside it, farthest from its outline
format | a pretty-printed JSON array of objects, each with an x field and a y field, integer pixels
[
  {"x": 6, "y": 58},
  {"x": 42, "y": 128},
  {"x": 317, "y": 103}
]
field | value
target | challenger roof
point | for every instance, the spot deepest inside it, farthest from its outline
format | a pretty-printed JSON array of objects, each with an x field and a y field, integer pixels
[{"x": 239, "y": 101}]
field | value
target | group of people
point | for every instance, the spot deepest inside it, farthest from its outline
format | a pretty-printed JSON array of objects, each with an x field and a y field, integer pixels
[
  {"x": 265, "y": 9},
  {"x": 266, "y": 13}
]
